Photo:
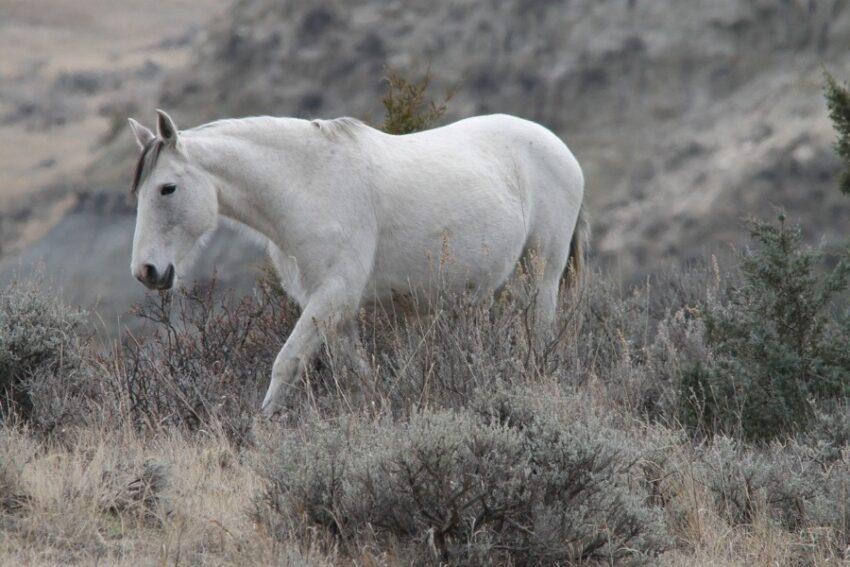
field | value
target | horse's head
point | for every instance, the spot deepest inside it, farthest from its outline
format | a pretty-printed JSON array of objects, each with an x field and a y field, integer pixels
[{"x": 177, "y": 204}]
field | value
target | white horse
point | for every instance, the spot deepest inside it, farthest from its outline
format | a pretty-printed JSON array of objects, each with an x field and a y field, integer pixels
[{"x": 354, "y": 216}]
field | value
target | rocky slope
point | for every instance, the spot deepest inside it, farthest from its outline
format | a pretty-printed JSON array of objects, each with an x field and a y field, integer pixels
[{"x": 685, "y": 116}]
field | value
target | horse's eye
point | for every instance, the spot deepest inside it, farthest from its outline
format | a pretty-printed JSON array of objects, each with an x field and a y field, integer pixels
[{"x": 167, "y": 189}]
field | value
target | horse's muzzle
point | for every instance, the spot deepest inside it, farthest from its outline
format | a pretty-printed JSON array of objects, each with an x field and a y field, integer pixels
[{"x": 153, "y": 279}]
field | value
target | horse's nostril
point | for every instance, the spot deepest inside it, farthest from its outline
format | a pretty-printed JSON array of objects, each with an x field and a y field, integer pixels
[
  {"x": 153, "y": 278},
  {"x": 149, "y": 273}
]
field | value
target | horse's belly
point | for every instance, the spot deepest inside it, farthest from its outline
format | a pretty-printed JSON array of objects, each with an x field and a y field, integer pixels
[{"x": 474, "y": 255}]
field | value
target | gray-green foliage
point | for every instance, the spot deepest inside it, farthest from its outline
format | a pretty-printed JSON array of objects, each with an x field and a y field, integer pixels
[
  {"x": 508, "y": 478},
  {"x": 829, "y": 434},
  {"x": 778, "y": 339},
  {"x": 40, "y": 345}
]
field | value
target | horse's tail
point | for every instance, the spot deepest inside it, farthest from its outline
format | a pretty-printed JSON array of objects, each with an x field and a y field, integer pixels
[{"x": 576, "y": 273}]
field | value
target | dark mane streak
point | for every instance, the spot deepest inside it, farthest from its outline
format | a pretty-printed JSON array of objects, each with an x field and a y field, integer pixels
[{"x": 147, "y": 160}]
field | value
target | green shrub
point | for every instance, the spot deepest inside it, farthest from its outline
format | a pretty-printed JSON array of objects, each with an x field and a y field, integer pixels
[
  {"x": 509, "y": 481},
  {"x": 407, "y": 106},
  {"x": 778, "y": 342}
]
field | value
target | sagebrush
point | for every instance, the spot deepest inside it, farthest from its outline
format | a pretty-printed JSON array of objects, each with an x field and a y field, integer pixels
[{"x": 505, "y": 480}]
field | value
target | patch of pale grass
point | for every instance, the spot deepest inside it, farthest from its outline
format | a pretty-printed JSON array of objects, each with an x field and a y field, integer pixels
[
  {"x": 90, "y": 500},
  {"x": 759, "y": 544}
]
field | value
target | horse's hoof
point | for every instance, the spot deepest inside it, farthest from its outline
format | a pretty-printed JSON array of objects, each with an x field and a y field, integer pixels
[{"x": 268, "y": 410}]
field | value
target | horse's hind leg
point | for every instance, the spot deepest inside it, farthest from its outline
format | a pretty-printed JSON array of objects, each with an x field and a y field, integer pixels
[
  {"x": 546, "y": 307},
  {"x": 351, "y": 348},
  {"x": 545, "y": 266}
]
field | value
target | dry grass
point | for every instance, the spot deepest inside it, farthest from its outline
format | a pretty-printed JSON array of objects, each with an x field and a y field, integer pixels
[
  {"x": 150, "y": 466},
  {"x": 707, "y": 538},
  {"x": 85, "y": 501}
]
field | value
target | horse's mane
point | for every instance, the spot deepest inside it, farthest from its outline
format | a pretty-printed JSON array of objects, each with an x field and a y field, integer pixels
[{"x": 147, "y": 160}]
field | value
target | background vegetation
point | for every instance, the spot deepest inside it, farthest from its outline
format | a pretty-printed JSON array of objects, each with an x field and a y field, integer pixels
[{"x": 701, "y": 418}]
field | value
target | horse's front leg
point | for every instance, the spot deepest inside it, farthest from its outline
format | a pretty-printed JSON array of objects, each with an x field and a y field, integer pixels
[{"x": 334, "y": 304}]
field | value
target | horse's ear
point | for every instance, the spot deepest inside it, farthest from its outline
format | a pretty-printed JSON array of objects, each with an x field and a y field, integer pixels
[
  {"x": 165, "y": 128},
  {"x": 143, "y": 135}
]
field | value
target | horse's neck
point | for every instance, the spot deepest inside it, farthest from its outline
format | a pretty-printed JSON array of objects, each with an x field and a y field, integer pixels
[{"x": 255, "y": 175}]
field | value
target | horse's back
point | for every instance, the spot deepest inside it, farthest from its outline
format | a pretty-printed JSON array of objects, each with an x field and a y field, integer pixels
[
  {"x": 463, "y": 201},
  {"x": 526, "y": 157}
]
